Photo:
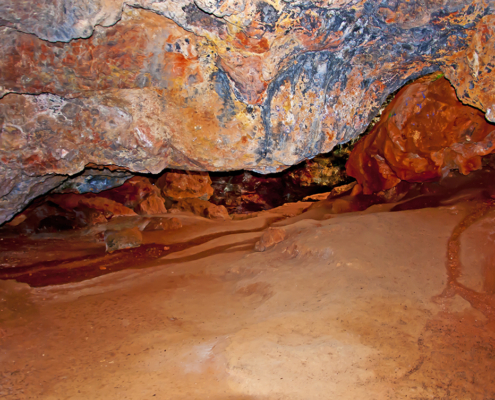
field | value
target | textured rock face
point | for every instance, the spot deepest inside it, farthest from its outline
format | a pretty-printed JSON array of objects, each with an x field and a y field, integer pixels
[
  {"x": 153, "y": 204},
  {"x": 209, "y": 85},
  {"x": 138, "y": 193},
  {"x": 245, "y": 192},
  {"x": 94, "y": 181},
  {"x": 202, "y": 208},
  {"x": 125, "y": 239},
  {"x": 270, "y": 238},
  {"x": 180, "y": 185},
  {"x": 422, "y": 134}
]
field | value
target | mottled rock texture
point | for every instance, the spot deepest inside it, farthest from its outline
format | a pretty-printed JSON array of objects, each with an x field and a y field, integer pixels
[
  {"x": 202, "y": 208},
  {"x": 163, "y": 224},
  {"x": 270, "y": 238},
  {"x": 245, "y": 192},
  {"x": 124, "y": 239},
  {"x": 139, "y": 194},
  {"x": 153, "y": 204},
  {"x": 93, "y": 181},
  {"x": 215, "y": 85},
  {"x": 178, "y": 185},
  {"x": 423, "y": 134}
]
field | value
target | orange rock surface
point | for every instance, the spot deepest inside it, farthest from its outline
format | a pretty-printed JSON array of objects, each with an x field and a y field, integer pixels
[
  {"x": 139, "y": 194},
  {"x": 422, "y": 134},
  {"x": 185, "y": 185},
  {"x": 270, "y": 238},
  {"x": 153, "y": 204},
  {"x": 109, "y": 208},
  {"x": 202, "y": 208}
]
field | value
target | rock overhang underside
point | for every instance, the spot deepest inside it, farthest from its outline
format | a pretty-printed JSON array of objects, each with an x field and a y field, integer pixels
[{"x": 215, "y": 85}]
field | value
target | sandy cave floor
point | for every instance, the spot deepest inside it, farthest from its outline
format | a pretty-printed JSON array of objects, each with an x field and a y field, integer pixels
[{"x": 349, "y": 307}]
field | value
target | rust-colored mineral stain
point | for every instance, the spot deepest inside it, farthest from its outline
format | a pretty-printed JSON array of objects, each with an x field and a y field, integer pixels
[
  {"x": 251, "y": 44},
  {"x": 489, "y": 284},
  {"x": 96, "y": 262},
  {"x": 484, "y": 302}
]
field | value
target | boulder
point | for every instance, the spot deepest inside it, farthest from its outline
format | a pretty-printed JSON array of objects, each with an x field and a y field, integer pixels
[
  {"x": 178, "y": 185},
  {"x": 163, "y": 224},
  {"x": 133, "y": 192},
  {"x": 152, "y": 204},
  {"x": 124, "y": 239},
  {"x": 201, "y": 208},
  {"x": 270, "y": 238},
  {"x": 422, "y": 134}
]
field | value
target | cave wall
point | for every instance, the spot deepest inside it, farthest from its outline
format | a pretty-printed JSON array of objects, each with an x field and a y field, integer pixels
[{"x": 215, "y": 85}]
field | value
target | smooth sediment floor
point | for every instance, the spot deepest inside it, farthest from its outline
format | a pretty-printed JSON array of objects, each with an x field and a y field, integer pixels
[{"x": 349, "y": 307}]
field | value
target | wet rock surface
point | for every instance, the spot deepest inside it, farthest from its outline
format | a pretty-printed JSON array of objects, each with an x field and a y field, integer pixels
[
  {"x": 209, "y": 86},
  {"x": 165, "y": 224}
]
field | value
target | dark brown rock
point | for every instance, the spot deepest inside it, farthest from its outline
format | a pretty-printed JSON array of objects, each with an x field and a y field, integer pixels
[
  {"x": 44, "y": 217},
  {"x": 139, "y": 194}
]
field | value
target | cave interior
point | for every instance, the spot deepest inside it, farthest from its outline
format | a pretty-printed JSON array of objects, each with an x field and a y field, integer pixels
[{"x": 247, "y": 199}]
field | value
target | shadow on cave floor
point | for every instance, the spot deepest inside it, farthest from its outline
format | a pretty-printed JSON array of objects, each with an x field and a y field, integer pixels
[{"x": 75, "y": 255}]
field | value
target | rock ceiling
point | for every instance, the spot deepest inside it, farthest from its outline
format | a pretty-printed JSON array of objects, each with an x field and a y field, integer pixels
[{"x": 215, "y": 85}]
